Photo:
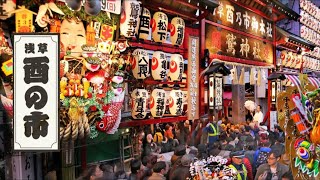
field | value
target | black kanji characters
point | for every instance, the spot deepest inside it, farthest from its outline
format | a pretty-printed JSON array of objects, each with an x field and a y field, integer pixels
[
  {"x": 160, "y": 106},
  {"x": 180, "y": 32},
  {"x": 143, "y": 67},
  {"x": 29, "y": 48},
  {"x": 36, "y": 69},
  {"x": 144, "y": 24},
  {"x": 179, "y": 106},
  {"x": 140, "y": 103},
  {"x": 43, "y": 47},
  {"x": 36, "y": 125},
  {"x": 32, "y": 97}
]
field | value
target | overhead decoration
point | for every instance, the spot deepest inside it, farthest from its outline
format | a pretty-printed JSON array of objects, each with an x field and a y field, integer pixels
[
  {"x": 144, "y": 28},
  {"x": 130, "y": 18},
  {"x": 177, "y": 29},
  {"x": 176, "y": 67},
  {"x": 42, "y": 18},
  {"x": 159, "y": 26},
  {"x": 140, "y": 64},
  {"x": 74, "y": 5},
  {"x": 92, "y": 7},
  {"x": 7, "y": 7},
  {"x": 139, "y": 103},
  {"x": 157, "y": 103},
  {"x": 175, "y": 102},
  {"x": 159, "y": 65},
  {"x": 24, "y": 19}
]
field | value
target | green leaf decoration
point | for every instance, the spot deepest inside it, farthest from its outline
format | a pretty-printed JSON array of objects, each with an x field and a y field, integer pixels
[
  {"x": 65, "y": 102},
  {"x": 91, "y": 89},
  {"x": 93, "y": 132}
]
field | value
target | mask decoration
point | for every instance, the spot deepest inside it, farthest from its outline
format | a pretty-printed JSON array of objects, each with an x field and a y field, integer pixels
[{"x": 73, "y": 36}]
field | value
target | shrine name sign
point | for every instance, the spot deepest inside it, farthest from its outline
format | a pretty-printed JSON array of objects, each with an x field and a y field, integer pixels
[{"x": 224, "y": 42}]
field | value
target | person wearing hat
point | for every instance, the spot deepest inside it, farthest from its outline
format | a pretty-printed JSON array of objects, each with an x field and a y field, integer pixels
[{"x": 237, "y": 164}]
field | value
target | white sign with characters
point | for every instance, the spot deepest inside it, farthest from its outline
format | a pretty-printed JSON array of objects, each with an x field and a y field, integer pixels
[{"x": 36, "y": 103}]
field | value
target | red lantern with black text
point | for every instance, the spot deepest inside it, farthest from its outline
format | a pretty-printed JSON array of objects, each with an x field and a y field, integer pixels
[
  {"x": 139, "y": 103},
  {"x": 159, "y": 25},
  {"x": 157, "y": 102},
  {"x": 159, "y": 65}
]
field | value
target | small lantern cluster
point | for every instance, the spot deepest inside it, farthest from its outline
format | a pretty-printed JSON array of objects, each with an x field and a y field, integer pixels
[
  {"x": 157, "y": 102},
  {"x": 311, "y": 63},
  {"x": 141, "y": 70},
  {"x": 291, "y": 60},
  {"x": 136, "y": 21}
]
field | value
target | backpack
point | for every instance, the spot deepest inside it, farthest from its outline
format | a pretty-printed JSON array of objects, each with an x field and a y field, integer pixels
[{"x": 262, "y": 157}]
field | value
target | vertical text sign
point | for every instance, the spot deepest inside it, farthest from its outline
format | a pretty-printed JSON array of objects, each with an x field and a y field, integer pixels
[
  {"x": 36, "y": 90},
  {"x": 193, "y": 78}
]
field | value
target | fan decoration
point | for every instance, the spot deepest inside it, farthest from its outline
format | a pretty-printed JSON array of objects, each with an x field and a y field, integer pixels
[{"x": 214, "y": 167}]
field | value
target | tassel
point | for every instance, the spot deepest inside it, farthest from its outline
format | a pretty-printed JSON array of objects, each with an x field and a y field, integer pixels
[
  {"x": 241, "y": 78},
  {"x": 259, "y": 78}
]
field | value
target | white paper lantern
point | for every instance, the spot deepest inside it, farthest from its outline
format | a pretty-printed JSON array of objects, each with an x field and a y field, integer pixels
[
  {"x": 176, "y": 67},
  {"x": 177, "y": 29},
  {"x": 299, "y": 61},
  {"x": 159, "y": 65},
  {"x": 144, "y": 28},
  {"x": 159, "y": 25},
  {"x": 130, "y": 18},
  {"x": 283, "y": 57},
  {"x": 158, "y": 102},
  {"x": 176, "y": 102},
  {"x": 139, "y": 103},
  {"x": 140, "y": 64},
  {"x": 293, "y": 60},
  {"x": 289, "y": 59}
]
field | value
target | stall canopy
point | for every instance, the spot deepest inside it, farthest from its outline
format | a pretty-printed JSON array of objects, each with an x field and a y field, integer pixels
[
  {"x": 293, "y": 79},
  {"x": 314, "y": 81}
]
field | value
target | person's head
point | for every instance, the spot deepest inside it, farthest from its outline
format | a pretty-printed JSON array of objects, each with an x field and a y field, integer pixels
[
  {"x": 258, "y": 108},
  {"x": 187, "y": 159},
  {"x": 237, "y": 156},
  {"x": 193, "y": 151},
  {"x": 223, "y": 142},
  {"x": 135, "y": 166},
  {"x": 280, "y": 139},
  {"x": 274, "y": 157},
  {"x": 149, "y": 138},
  {"x": 93, "y": 172},
  {"x": 161, "y": 167},
  {"x": 180, "y": 150},
  {"x": 287, "y": 176}
]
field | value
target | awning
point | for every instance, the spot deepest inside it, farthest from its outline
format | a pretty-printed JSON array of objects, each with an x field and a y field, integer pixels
[
  {"x": 293, "y": 79},
  {"x": 314, "y": 81}
]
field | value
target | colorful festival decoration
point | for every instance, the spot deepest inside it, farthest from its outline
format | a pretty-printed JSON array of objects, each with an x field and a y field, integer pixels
[
  {"x": 139, "y": 103},
  {"x": 130, "y": 18},
  {"x": 157, "y": 102},
  {"x": 176, "y": 67},
  {"x": 159, "y": 25},
  {"x": 177, "y": 29},
  {"x": 24, "y": 19},
  {"x": 159, "y": 65}
]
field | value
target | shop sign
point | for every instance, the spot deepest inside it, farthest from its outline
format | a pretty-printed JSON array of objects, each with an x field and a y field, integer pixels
[
  {"x": 218, "y": 91},
  {"x": 237, "y": 45},
  {"x": 236, "y": 17},
  {"x": 36, "y": 103},
  {"x": 113, "y": 6},
  {"x": 23, "y": 166},
  {"x": 193, "y": 78}
]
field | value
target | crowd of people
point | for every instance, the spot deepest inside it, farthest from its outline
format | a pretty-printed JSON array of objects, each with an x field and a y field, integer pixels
[{"x": 252, "y": 151}]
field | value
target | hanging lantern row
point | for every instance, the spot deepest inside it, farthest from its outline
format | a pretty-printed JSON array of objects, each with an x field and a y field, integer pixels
[
  {"x": 314, "y": 53},
  {"x": 310, "y": 35},
  {"x": 141, "y": 70},
  {"x": 311, "y": 8},
  {"x": 157, "y": 102},
  {"x": 311, "y": 63},
  {"x": 291, "y": 60},
  {"x": 310, "y": 21},
  {"x": 136, "y": 21}
]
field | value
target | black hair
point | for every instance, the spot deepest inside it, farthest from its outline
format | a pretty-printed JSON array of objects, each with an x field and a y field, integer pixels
[
  {"x": 159, "y": 166},
  {"x": 276, "y": 153},
  {"x": 135, "y": 166},
  {"x": 91, "y": 170}
]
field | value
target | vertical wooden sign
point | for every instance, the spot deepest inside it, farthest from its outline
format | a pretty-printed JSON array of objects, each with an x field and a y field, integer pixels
[{"x": 193, "y": 78}]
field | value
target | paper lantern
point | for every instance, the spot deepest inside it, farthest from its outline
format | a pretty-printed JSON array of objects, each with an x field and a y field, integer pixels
[
  {"x": 159, "y": 25},
  {"x": 176, "y": 102},
  {"x": 140, "y": 64},
  {"x": 130, "y": 18},
  {"x": 283, "y": 58},
  {"x": 176, "y": 67},
  {"x": 157, "y": 102},
  {"x": 177, "y": 28},
  {"x": 293, "y": 60},
  {"x": 144, "y": 29},
  {"x": 299, "y": 61},
  {"x": 183, "y": 80},
  {"x": 139, "y": 103},
  {"x": 289, "y": 59},
  {"x": 159, "y": 65}
]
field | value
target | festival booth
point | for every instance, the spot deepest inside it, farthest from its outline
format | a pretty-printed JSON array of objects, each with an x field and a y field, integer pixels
[{"x": 241, "y": 34}]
